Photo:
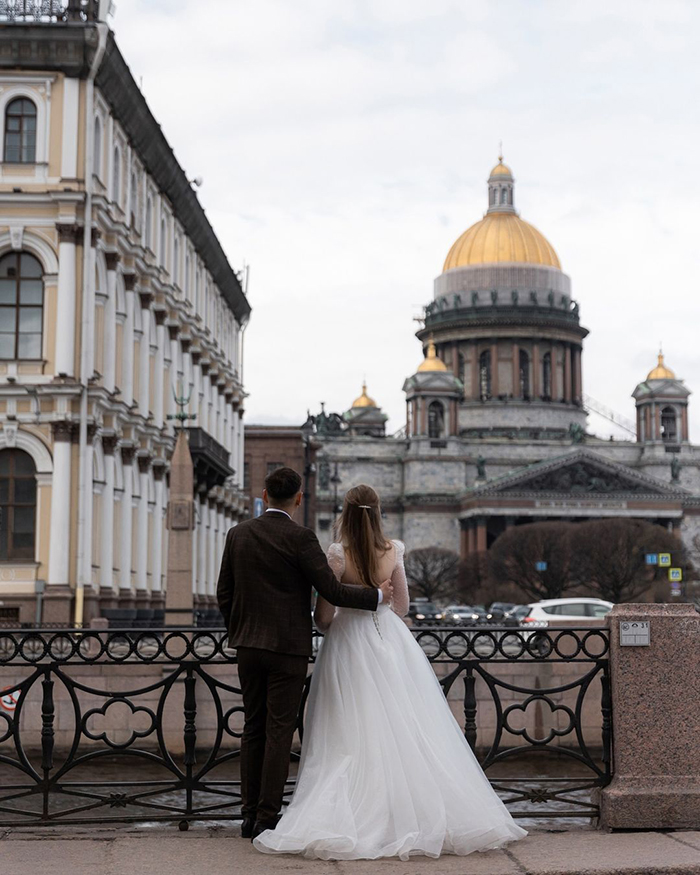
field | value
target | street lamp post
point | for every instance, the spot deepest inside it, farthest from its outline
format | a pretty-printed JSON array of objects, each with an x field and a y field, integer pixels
[{"x": 307, "y": 431}]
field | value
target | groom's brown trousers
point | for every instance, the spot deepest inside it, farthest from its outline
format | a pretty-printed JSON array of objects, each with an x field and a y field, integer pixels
[{"x": 272, "y": 685}]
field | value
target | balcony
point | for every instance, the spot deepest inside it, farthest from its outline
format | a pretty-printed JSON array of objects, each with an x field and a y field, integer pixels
[
  {"x": 210, "y": 459},
  {"x": 48, "y": 11}
]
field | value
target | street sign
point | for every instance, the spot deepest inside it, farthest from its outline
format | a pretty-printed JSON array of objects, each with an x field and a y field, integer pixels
[
  {"x": 651, "y": 558},
  {"x": 675, "y": 575},
  {"x": 9, "y": 700},
  {"x": 675, "y": 589},
  {"x": 665, "y": 560},
  {"x": 540, "y": 566},
  {"x": 258, "y": 507},
  {"x": 637, "y": 634}
]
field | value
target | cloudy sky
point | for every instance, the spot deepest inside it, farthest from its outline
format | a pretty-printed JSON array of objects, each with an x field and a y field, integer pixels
[{"x": 344, "y": 146}]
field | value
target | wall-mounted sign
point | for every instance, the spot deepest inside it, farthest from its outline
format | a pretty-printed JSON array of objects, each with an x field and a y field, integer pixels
[
  {"x": 635, "y": 634},
  {"x": 665, "y": 560},
  {"x": 540, "y": 566},
  {"x": 675, "y": 575},
  {"x": 651, "y": 558}
]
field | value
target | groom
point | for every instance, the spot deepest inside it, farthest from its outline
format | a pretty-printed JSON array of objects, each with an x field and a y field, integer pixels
[{"x": 268, "y": 568}]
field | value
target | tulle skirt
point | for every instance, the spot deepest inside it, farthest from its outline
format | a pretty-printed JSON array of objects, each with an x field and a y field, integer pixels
[{"x": 385, "y": 769}]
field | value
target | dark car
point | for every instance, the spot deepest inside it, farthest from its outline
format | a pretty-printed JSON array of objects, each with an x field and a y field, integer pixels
[
  {"x": 498, "y": 610},
  {"x": 462, "y": 615},
  {"x": 516, "y": 615},
  {"x": 425, "y": 612}
]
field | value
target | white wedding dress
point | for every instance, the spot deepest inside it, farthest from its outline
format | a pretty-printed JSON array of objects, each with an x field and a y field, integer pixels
[{"x": 385, "y": 768}]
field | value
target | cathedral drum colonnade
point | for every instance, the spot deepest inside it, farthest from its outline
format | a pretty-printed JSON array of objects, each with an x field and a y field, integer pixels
[
  {"x": 115, "y": 297},
  {"x": 495, "y": 430}
]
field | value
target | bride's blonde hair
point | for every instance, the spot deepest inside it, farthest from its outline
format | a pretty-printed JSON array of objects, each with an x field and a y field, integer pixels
[{"x": 359, "y": 529}]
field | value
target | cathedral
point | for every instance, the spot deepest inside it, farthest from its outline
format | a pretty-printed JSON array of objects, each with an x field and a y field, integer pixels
[{"x": 495, "y": 432}]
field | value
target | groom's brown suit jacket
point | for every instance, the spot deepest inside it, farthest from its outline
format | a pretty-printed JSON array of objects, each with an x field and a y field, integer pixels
[{"x": 268, "y": 568}]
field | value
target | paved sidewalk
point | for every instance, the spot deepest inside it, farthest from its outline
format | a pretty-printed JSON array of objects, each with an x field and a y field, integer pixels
[{"x": 128, "y": 851}]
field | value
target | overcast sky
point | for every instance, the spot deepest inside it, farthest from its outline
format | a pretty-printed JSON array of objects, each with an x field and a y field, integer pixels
[{"x": 344, "y": 146}]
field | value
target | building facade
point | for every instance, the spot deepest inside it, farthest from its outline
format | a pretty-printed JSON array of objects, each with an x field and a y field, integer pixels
[
  {"x": 118, "y": 307},
  {"x": 495, "y": 431}
]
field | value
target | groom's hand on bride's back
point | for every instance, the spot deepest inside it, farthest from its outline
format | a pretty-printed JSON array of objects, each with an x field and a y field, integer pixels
[{"x": 387, "y": 591}]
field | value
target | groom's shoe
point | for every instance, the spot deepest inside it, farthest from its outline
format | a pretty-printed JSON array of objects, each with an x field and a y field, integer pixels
[
  {"x": 262, "y": 825},
  {"x": 247, "y": 827}
]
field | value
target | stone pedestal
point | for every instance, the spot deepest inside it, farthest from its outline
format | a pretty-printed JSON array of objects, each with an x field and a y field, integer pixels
[
  {"x": 656, "y": 715},
  {"x": 179, "y": 603}
]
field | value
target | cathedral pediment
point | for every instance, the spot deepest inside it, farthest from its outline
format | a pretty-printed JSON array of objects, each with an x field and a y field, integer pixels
[{"x": 581, "y": 473}]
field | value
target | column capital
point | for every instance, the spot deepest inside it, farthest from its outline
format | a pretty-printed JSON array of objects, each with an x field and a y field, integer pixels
[
  {"x": 159, "y": 469},
  {"x": 68, "y": 233},
  {"x": 129, "y": 281},
  {"x": 173, "y": 330},
  {"x": 205, "y": 365},
  {"x": 128, "y": 452},
  {"x": 160, "y": 316},
  {"x": 62, "y": 430},
  {"x": 109, "y": 443},
  {"x": 112, "y": 259},
  {"x": 146, "y": 297},
  {"x": 196, "y": 353},
  {"x": 144, "y": 462}
]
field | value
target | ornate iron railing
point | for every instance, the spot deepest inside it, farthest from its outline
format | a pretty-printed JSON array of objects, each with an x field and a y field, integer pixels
[
  {"x": 70, "y": 724},
  {"x": 48, "y": 11}
]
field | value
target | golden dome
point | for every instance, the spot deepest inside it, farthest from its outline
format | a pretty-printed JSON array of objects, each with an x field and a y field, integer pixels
[
  {"x": 364, "y": 400},
  {"x": 661, "y": 372},
  {"x": 501, "y": 237},
  {"x": 501, "y": 169},
  {"x": 431, "y": 362}
]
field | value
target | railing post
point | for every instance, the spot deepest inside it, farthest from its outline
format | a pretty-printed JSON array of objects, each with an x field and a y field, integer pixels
[
  {"x": 470, "y": 707},
  {"x": 190, "y": 715},
  {"x": 656, "y": 712},
  {"x": 606, "y": 712}
]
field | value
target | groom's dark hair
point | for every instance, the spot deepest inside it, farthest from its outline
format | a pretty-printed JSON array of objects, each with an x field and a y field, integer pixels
[{"x": 282, "y": 484}]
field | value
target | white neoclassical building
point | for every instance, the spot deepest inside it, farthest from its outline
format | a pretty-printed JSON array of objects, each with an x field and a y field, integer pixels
[{"x": 115, "y": 297}]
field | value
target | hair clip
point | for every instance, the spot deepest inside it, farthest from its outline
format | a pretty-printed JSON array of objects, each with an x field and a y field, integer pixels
[{"x": 366, "y": 506}]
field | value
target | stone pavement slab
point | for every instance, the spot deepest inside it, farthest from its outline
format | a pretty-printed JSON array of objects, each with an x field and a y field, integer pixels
[{"x": 166, "y": 851}]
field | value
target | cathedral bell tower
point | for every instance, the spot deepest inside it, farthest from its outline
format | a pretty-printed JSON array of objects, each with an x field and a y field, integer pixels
[
  {"x": 662, "y": 408},
  {"x": 432, "y": 396}
]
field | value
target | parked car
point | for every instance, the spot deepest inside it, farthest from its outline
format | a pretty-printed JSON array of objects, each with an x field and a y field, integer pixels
[
  {"x": 498, "y": 610},
  {"x": 423, "y": 611},
  {"x": 571, "y": 609},
  {"x": 516, "y": 615},
  {"x": 462, "y": 615}
]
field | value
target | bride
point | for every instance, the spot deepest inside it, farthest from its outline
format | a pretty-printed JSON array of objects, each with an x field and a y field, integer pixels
[{"x": 385, "y": 769}]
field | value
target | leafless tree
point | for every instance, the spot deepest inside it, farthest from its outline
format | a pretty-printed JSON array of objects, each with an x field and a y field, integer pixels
[
  {"x": 516, "y": 558},
  {"x": 608, "y": 557},
  {"x": 432, "y": 572}
]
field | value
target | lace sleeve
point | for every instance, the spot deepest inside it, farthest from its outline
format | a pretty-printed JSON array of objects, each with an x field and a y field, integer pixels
[
  {"x": 400, "y": 601},
  {"x": 325, "y": 611}
]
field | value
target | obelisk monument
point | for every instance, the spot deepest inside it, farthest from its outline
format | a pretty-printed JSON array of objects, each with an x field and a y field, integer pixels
[{"x": 179, "y": 602}]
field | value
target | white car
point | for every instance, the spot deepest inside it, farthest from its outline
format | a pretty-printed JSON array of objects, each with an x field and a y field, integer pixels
[{"x": 555, "y": 610}]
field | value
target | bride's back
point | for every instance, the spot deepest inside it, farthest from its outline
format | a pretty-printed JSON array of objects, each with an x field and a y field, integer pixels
[
  {"x": 385, "y": 566},
  {"x": 369, "y": 556}
]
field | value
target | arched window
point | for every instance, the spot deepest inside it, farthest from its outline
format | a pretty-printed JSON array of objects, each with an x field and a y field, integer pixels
[
  {"x": 547, "y": 375},
  {"x": 504, "y": 195},
  {"x": 163, "y": 241},
  {"x": 133, "y": 199},
  {"x": 98, "y": 147},
  {"x": 21, "y": 306},
  {"x": 436, "y": 420},
  {"x": 149, "y": 222},
  {"x": 188, "y": 277},
  {"x": 485, "y": 375},
  {"x": 524, "y": 369},
  {"x": 17, "y": 505},
  {"x": 462, "y": 368},
  {"x": 117, "y": 176},
  {"x": 669, "y": 432},
  {"x": 20, "y": 132}
]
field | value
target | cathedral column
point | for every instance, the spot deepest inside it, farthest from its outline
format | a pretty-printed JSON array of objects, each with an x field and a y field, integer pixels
[
  {"x": 59, "y": 534},
  {"x": 471, "y": 537},
  {"x": 455, "y": 360},
  {"x": 474, "y": 359},
  {"x": 684, "y": 423},
  {"x": 66, "y": 293},
  {"x": 127, "y": 395},
  {"x": 481, "y": 535},
  {"x": 648, "y": 436},
  {"x": 110, "y": 328},
  {"x": 160, "y": 376},
  {"x": 109, "y": 443},
  {"x": 536, "y": 384},
  {"x": 577, "y": 374},
  {"x": 144, "y": 357},
  {"x": 567, "y": 373},
  {"x": 657, "y": 422},
  {"x": 144, "y": 463},
  {"x": 516, "y": 371},
  {"x": 640, "y": 429},
  {"x": 125, "y": 591},
  {"x": 494, "y": 370},
  {"x": 463, "y": 542},
  {"x": 423, "y": 416}
]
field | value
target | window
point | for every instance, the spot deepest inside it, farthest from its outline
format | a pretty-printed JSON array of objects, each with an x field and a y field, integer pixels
[
  {"x": 21, "y": 306},
  {"x": 524, "y": 366},
  {"x": 273, "y": 466},
  {"x": 436, "y": 420},
  {"x": 669, "y": 431},
  {"x": 598, "y": 610},
  {"x": 504, "y": 196},
  {"x": 17, "y": 504},
  {"x": 116, "y": 176},
  {"x": 246, "y": 475},
  {"x": 20, "y": 132},
  {"x": 485, "y": 375},
  {"x": 98, "y": 148},
  {"x": 132, "y": 199},
  {"x": 163, "y": 241},
  {"x": 547, "y": 375},
  {"x": 176, "y": 260},
  {"x": 187, "y": 276}
]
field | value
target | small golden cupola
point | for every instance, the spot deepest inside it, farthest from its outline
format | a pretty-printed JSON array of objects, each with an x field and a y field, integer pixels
[
  {"x": 431, "y": 362},
  {"x": 661, "y": 372},
  {"x": 364, "y": 400}
]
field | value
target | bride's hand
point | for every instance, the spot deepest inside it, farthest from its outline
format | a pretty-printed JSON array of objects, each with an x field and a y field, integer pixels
[{"x": 387, "y": 591}]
